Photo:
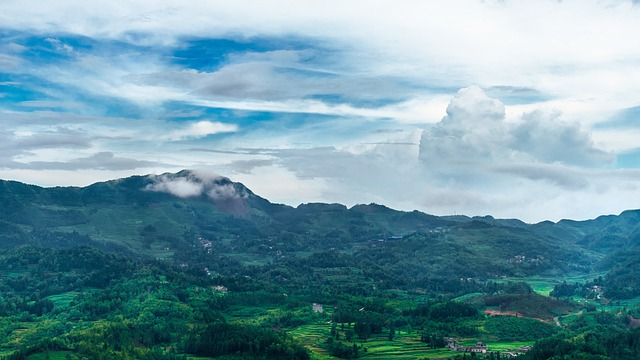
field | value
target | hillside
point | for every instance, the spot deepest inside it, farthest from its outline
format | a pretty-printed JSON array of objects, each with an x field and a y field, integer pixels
[
  {"x": 171, "y": 261},
  {"x": 165, "y": 216},
  {"x": 187, "y": 216}
]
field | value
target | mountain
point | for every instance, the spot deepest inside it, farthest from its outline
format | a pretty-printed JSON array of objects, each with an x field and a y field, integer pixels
[
  {"x": 189, "y": 264},
  {"x": 167, "y": 216}
]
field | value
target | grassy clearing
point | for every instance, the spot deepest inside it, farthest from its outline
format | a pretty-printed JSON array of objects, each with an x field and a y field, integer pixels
[
  {"x": 12, "y": 274},
  {"x": 506, "y": 346},
  {"x": 543, "y": 285},
  {"x": 62, "y": 301},
  {"x": 404, "y": 346},
  {"x": 51, "y": 355},
  {"x": 540, "y": 285},
  {"x": 467, "y": 297}
]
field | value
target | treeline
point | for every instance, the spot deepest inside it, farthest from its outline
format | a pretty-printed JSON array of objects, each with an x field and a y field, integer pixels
[
  {"x": 33, "y": 274},
  {"x": 123, "y": 308},
  {"x": 621, "y": 282},
  {"x": 592, "y": 336},
  {"x": 221, "y": 338}
]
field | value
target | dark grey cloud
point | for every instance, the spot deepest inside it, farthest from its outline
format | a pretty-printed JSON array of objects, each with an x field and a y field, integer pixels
[
  {"x": 13, "y": 145},
  {"x": 549, "y": 140},
  {"x": 558, "y": 175},
  {"x": 98, "y": 161},
  {"x": 62, "y": 138},
  {"x": 279, "y": 76}
]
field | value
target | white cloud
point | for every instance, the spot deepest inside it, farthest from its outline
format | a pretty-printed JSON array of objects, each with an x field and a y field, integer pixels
[
  {"x": 473, "y": 161},
  {"x": 474, "y": 134},
  {"x": 200, "y": 129},
  {"x": 180, "y": 187},
  {"x": 196, "y": 183}
]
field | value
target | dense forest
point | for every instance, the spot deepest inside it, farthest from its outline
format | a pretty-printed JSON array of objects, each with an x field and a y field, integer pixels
[{"x": 124, "y": 270}]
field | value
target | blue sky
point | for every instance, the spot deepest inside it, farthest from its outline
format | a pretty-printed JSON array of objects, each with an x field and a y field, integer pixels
[{"x": 509, "y": 108}]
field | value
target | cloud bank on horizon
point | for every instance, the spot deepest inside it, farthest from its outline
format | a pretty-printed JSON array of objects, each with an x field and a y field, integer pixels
[{"x": 509, "y": 108}]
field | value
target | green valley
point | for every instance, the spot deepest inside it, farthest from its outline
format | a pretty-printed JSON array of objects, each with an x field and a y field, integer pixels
[{"x": 178, "y": 266}]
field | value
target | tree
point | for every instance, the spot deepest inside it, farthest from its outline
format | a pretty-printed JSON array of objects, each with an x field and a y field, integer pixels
[{"x": 348, "y": 335}]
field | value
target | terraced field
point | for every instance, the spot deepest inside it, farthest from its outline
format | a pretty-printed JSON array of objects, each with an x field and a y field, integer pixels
[
  {"x": 312, "y": 336},
  {"x": 404, "y": 346}
]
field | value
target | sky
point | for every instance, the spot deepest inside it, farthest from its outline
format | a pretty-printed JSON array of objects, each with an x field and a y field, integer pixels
[{"x": 516, "y": 109}]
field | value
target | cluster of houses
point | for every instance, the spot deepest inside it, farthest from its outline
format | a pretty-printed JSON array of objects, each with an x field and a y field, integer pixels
[
  {"x": 519, "y": 259},
  {"x": 455, "y": 346},
  {"x": 482, "y": 348},
  {"x": 206, "y": 244}
]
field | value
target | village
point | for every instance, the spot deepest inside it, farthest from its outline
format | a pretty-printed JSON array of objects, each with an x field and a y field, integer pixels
[{"x": 482, "y": 348}]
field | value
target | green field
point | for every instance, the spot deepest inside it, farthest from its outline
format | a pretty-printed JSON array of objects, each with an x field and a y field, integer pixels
[
  {"x": 312, "y": 336},
  {"x": 51, "y": 355},
  {"x": 404, "y": 345},
  {"x": 5, "y": 352},
  {"x": 543, "y": 285},
  {"x": 62, "y": 301},
  {"x": 467, "y": 297}
]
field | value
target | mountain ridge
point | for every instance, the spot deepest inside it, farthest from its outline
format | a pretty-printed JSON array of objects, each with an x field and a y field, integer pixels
[
  {"x": 163, "y": 216},
  {"x": 210, "y": 179}
]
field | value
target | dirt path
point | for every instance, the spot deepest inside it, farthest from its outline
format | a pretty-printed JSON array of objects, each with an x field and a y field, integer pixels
[{"x": 494, "y": 312}]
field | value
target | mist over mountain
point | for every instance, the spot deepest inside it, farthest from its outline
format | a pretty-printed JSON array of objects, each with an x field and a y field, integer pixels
[{"x": 163, "y": 215}]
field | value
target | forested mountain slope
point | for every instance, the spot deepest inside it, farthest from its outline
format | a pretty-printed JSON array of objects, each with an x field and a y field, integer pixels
[
  {"x": 170, "y": 215},
  {"x": 148, "y": 260}
]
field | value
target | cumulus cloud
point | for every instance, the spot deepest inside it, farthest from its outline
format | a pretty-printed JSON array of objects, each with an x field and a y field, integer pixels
[
  {"x": 472, "y": 131},
  {"x": 475, "y": 160},
  {"x": 475, "y": 133},
  {"x": 548, "y": 139}
]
